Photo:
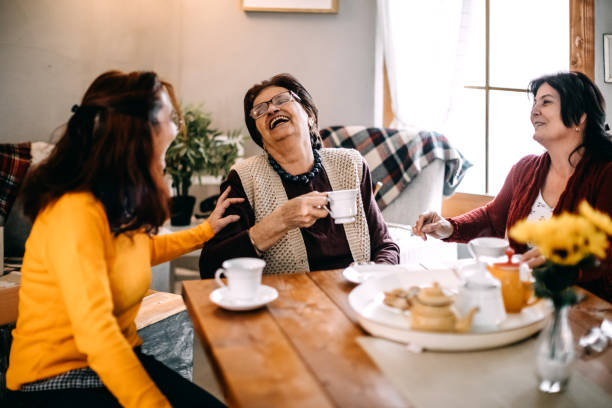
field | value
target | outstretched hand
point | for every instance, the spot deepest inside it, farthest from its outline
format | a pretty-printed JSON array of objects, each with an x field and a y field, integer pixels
[{"x": 216, "y": 220}]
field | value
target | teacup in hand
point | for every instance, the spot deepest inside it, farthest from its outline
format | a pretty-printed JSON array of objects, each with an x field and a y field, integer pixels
[
  {"x": 243, "y": 277},
  {"x": 342, "y": 205}
]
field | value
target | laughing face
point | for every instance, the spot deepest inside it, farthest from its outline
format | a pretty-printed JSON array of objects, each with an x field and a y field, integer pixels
[
  {"x": 546, "y": 117},
  {"x": 287, "y": 120}
]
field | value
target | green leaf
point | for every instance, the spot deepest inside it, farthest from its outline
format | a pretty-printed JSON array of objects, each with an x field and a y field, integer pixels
[
  {"x": 554, "y": 281},
  {"x": 200, "y": 148}
]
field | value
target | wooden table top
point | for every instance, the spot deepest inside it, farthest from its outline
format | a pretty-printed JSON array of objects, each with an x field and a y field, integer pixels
[{"x": 301, "y": 349}]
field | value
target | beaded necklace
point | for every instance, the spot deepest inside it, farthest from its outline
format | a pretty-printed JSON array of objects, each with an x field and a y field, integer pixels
[{"x": 300, "y": 178}]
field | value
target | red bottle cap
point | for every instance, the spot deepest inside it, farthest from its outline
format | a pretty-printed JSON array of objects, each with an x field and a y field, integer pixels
[{"x": 508, "y": 263}]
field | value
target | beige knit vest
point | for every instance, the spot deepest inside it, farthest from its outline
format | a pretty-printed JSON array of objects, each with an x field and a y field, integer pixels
[{"x": 265, "y": 192}]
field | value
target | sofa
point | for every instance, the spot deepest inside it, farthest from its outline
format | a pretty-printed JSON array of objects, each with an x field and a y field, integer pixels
[
  {"x": 417, "y": 168},
  {"x": 16, "y": 227},
  {"x": 423, "y": 194}
]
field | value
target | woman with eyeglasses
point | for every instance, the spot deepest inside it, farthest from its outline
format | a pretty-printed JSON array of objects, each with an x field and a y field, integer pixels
[
  {"x": 568, "y": 117},
  {"x": 97, "y": 203},
  {"x": 283, "y": 218}
]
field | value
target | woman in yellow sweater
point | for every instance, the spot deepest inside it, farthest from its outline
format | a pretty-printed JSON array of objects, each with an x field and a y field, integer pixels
[{"x": 97, "y": 203}]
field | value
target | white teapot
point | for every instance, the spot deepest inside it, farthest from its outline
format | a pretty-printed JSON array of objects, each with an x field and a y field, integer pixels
[{"x": 479, "y": 288}]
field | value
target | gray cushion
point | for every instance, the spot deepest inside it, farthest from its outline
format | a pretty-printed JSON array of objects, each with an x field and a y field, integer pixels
[{"x": 423, "y": 194}]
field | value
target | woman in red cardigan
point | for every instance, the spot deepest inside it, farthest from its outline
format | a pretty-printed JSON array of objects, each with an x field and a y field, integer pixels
[{"x": 568, "y": 116}]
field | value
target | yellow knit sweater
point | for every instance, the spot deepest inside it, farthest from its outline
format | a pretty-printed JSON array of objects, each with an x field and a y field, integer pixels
[{"x": 81, "y": 289}]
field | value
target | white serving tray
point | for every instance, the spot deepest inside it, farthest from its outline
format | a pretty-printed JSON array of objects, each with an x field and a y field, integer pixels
[{"x": 381, "y": 320}]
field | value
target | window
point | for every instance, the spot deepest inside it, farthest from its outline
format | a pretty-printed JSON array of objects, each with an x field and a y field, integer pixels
[
  {"x": 509, "y": 43},
  {"x": 505, "y": 44}
]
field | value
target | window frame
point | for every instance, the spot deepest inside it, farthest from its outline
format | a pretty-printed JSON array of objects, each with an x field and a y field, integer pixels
[{"x": 581, "y": 58}]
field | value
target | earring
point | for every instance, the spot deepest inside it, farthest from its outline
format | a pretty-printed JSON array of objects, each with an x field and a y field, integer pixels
[{"x": 577, "y": 129}]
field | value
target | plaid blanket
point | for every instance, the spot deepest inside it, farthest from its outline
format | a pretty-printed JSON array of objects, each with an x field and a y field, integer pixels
[
  {"x": 395, "y": 157},
  {"x": 14, "y": 162}
]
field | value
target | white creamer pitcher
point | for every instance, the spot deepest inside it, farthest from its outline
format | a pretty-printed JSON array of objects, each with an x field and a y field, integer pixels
[{"x": 479, "y": 288}]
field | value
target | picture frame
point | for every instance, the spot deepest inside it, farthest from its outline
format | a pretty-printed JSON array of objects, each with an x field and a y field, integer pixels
[
  {"x": 607, "y": 57},
  {"x": 291, "y": 6}
]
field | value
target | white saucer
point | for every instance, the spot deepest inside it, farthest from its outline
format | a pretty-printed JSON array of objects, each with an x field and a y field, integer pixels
[
  {"x": 265, "y": 295},
  {"x": 362, "y": 272}
]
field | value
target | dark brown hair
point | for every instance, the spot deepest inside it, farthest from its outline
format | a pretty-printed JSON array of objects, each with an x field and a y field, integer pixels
[
  {"x": 579, "y": 95},
  {"x": 108, "y": 150},
  {"x": 290, "y": 83}
]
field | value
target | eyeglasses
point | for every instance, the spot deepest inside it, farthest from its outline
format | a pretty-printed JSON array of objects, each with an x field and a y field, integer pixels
[{"x": 277, "y": 100}]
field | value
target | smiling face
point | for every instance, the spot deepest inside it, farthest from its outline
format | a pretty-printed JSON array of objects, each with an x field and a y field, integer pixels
[
  {"x": 546, "y": 117},
  {"x": 281, "y": 122}
]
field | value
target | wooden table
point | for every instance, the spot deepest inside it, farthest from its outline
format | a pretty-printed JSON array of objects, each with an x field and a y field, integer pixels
[{"x": 301, "y": 350}]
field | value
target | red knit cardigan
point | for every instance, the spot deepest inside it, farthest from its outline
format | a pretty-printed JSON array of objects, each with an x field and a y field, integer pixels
[{"x": 592, "y": 180}]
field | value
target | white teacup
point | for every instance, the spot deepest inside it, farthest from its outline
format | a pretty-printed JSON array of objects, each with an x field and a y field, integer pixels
[
  {"x": 488, "y": 247},
  {"x": 243, "y": 277},
  {"x": 342, "y": 205}
]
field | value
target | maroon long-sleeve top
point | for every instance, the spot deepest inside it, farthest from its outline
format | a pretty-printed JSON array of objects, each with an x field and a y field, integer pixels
[
  {"x": 592, "y": 180},
  {"x": 326, "y": 243}
]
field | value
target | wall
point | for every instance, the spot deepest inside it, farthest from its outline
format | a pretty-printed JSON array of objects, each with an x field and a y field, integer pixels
[
  {"x": 50, "y": 50},
  {"x": 211, "y": 50},
  {"x": 603, "y": 24}
]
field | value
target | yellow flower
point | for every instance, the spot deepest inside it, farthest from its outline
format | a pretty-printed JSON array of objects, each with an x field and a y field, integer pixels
[
  {"x": 600, "y": 219},
  {"x": 567, "y": 242},
  {"x": 597, "y": 244},
  {"x": 564, "y": 239}
]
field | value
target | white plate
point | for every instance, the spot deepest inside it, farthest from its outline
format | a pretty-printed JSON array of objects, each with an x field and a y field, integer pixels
[
  {"x": 367, "y": 300},
  {"x": 265, "y": 295},
  {"x": 363, "y": 272}
]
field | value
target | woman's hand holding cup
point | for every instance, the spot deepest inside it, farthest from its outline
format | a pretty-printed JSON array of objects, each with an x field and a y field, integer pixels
[
  {"x": 303, "y": 211},
  {"x": 431, "y": 223},
  {"x": 299, "y": 212}
]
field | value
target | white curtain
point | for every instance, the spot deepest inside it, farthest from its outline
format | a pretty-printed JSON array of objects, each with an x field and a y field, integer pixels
[{"x": 424, "y": 41}]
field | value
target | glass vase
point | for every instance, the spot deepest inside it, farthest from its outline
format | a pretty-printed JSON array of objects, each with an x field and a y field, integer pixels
[{"x": 555, "y": 352}]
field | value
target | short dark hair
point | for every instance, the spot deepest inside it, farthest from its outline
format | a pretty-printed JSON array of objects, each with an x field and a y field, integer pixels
[
  {"x": 108, "y": 149},
  {"x": 290, "y": 83},
  {"x": 579, "y": 95}
]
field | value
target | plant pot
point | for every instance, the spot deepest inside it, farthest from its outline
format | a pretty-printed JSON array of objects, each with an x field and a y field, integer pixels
[{"x": 181, "y": 210}]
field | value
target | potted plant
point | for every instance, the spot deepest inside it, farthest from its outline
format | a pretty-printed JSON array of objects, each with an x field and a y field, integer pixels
[{"x": 199, "y": 149}]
